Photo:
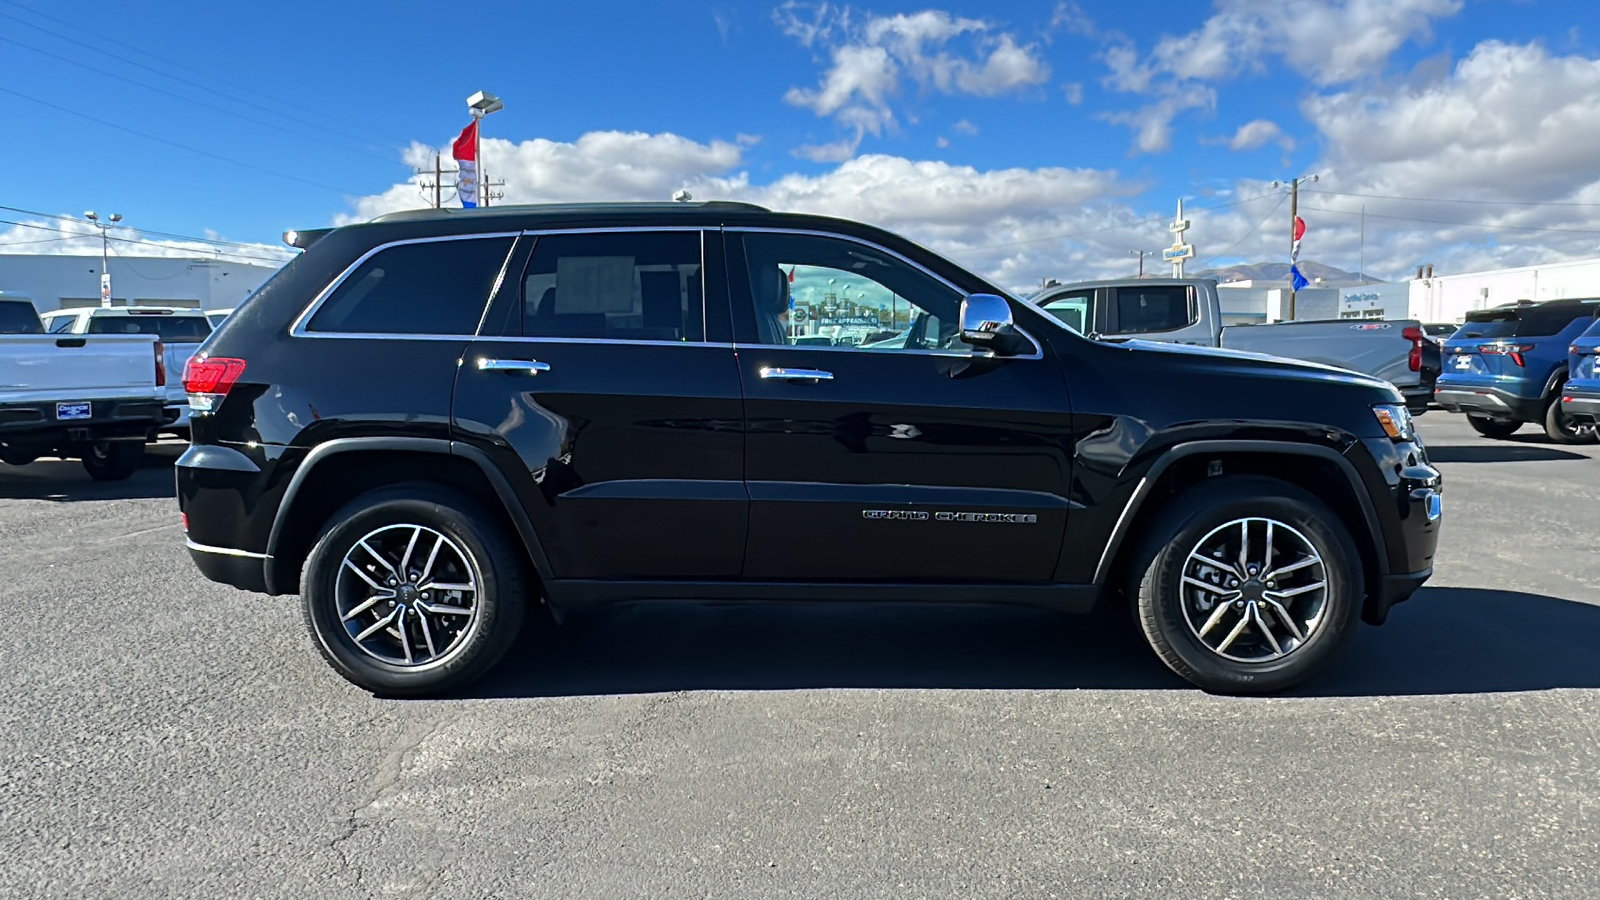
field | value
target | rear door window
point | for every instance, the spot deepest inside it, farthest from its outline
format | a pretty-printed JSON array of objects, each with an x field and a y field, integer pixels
[
  {"x": 19, "y": 318},
  {"x": 1148, "y": 308},
  {"x": 436, "y": 287},
  {"x": 625, "y": 285}
]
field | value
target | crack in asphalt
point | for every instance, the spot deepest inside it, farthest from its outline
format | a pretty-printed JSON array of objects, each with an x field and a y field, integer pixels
[{"x": 385, "y": 783}]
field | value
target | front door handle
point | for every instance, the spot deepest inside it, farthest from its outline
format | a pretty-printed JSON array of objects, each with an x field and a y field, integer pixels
[
  {"x": 526, "y": 366},
  {"x": 795, "y": 374}
]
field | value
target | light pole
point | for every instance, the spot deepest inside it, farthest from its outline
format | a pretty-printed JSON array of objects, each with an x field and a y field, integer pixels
[
  {"x": 105, "y": 252},
  {"x": 1294, "y": 218},
  {"x": 481, "y": 104},
  {"x": 1141, "y": 254}
]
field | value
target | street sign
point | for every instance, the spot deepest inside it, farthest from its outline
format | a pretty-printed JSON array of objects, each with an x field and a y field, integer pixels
[
  {"x": 1177, "y": 252},
  {"x": 1179, "y": 227},
  {"x": 797, "y": 314}
]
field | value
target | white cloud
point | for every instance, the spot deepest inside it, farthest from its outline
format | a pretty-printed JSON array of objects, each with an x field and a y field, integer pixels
[
  {"x": 870, "y": 59},
  {"x": 1152, "y": 124},
  {"x": 941, "y": 142},
  {"x": 1074, "y": 93},
  {"x": 72, "y": 237},
  {"x": 1070, "y": 17},
  {"x": 964, "y": 127},
  {"x": 1255, "y": 135},
  {"x": 1330, "y": 42}
]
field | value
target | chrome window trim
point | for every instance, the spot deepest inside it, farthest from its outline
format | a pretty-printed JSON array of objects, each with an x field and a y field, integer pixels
[
  {"x": 522, "y": 339},
  {"x": 223, "y": 551},
  {"x": 1038, "y": 347},
  {"x": 298, "y": 327}
]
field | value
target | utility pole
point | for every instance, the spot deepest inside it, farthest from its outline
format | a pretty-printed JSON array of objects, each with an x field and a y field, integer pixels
[
  {"x": 1140, "y": 254},
  {"x": 105, "y": 252},
  {"x": 1294, "y": 237}
]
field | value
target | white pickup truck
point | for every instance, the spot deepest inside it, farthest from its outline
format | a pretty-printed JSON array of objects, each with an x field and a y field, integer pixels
[
  {"x": 98, "y": 398},
  {"x": 180, "y": 331},
  {"x": 1188, "y": 311}
]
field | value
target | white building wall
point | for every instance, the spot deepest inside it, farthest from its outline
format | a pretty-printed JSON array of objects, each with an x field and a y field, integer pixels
[
  {"x": 1448, "y": 298},
  {"x": 57, "y": 282}
]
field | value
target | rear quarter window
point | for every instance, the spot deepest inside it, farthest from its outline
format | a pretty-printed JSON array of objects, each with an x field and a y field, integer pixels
[
  {"x": 437, "y": 287},
  {"x": 19, "y": 318},
  {"x": 1149, "y": 308}
]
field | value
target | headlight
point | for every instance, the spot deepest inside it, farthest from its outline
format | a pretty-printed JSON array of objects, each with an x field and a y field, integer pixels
[{"x": 1396, "y": 421}]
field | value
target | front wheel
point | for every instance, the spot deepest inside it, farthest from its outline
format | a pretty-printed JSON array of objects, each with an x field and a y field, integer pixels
[
  {"x": 413, "y": 590},
  {"x": 1563, "y": 429},
  {"x": 1247, "y": 585},
  {"x": 112, "y": 460},
  {"x": 1499, "y": 429}
]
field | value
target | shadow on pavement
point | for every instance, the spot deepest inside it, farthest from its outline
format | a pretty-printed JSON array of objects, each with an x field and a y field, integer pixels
[
  {"x": 1444, "y": 641},
  {"x": 65, "y": 480},
  {"x": 1498, "y": 451}
]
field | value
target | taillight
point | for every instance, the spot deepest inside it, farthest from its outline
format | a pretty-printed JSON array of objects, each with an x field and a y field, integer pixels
[
  {"x": 1414, "y": 335},
  {"x": 209, "y": 380},
  {"x": 161, "y": 365},
  {"x": 1514, "y": 351}
]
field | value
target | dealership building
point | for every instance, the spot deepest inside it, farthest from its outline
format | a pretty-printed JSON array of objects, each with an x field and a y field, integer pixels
[{"x": 66, "y": 282}]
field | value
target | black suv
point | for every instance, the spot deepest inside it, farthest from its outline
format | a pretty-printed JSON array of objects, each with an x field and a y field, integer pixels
[{"x": 427, "y": 423}]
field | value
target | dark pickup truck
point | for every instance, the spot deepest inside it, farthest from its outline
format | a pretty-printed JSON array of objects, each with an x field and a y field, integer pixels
[{"x": 437, "y": 423}]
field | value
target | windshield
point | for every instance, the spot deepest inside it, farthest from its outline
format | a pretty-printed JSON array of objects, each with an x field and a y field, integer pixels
[{"x": 170, "y": 328}]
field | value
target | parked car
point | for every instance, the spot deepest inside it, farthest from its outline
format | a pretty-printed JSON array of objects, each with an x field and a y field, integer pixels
[
  {"x": 97, "y": 399},
  {"x": 1506, "y": 366},
  {"x": 179, "y": 330},
  {"x": 1189, "y": 311},
  {"x": 1580, "y": 396},
  {"x": 438, "y": 419}
]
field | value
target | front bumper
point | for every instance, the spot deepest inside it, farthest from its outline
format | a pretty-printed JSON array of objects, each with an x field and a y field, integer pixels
[
  {"x": 1581, "y": 404},
  {"x": 1496, "y": 403},
  {"x": 1414, "y": 491}
]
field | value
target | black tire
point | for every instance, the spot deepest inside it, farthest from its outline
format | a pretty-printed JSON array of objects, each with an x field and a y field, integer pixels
[
  {"x": 1158, "y": 567},
  {"x": 1498, "y": 429},
  {"x": 501, "y": 597},
  {"x": 1561, "y": 428},
  {"x": 112, "y": 460}
]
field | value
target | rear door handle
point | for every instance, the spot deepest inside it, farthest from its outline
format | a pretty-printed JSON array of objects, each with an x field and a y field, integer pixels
[
  {"x": 527, "y": 366},
  {"x": 795, "y": 374}
]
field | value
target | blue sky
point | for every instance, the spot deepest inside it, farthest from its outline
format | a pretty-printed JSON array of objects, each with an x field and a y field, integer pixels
[{"x": 985, "y": 129}]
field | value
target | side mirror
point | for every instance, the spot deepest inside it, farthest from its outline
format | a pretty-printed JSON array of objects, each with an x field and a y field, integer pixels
[{"x": 986, "y": 323}]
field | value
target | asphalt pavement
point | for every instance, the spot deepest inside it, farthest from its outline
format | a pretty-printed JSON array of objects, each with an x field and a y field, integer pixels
[{"x": 169, "y": 737}]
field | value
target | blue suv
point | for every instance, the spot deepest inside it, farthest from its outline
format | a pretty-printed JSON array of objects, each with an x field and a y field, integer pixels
[
  {"x": 1580, "y": 399},
  {"x": 1507, "y": 365}
]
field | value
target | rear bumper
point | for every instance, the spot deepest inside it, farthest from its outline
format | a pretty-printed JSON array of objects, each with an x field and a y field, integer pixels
[
  {"x": 35, "y": 423},
  {"x": 1494, "y": 402},
  {"x": 239, "y": 568},
  {"x": 1418, "y": 398},
  {"x": 1581, "y": 404}
]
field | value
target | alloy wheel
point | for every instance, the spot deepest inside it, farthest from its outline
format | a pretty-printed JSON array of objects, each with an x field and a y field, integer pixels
[
  {"x": 407, "y": 595},
  {"x": 1254, "y": 590}
]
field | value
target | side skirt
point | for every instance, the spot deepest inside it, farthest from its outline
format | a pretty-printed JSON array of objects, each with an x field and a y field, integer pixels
[{"x": 573, "y": 595}]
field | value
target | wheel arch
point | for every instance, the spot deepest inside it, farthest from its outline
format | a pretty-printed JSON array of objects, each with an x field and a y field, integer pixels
[
  {"x": 335, "y": 472},
  {"x": 1330, "y": 477}
]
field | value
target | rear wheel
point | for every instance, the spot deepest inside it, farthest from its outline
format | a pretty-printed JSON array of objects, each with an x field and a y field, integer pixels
[
  {"x": 1498, "y": 429},
  {"x": 1247, "y": 585},
  {"x": 1563, "y": 429},
  {"x": 413, "y": 590},
  {"x": 112, "y": 460}
]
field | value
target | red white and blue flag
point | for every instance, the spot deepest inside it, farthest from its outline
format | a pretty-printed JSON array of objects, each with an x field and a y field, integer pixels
[{"x": 465, "y": 152}]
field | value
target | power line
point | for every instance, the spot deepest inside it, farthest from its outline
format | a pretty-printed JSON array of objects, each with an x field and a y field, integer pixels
[
  {"x": 1446, "y": 200},
  {"x": 211, "y": 106},
  {"x": 161, "y": 140},
  {"x": 71, "y": 234},
  {"x": 167, "y": 234},
  {"x": 1150, "y": 221},
  {"x": 175, "y": 64},
  {"x": 1251, "y": 232},
  {"x": 1340, "y": 212}
]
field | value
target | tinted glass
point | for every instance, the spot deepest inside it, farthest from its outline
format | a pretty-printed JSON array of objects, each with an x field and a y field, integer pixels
[
  {"x": 810, "y": 290},
  {"x": 171, "y": 329},
  {"x": 1521, "y": 323},
  {"x": 642, "y": 286},
  {"x": 1073, "y": 309},
  {"x": 1152, "y": 308},
  {"x": 435, "y": 287},
  {"x": 19, "y": 318},
  {"x": 62, "y": 324}
]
